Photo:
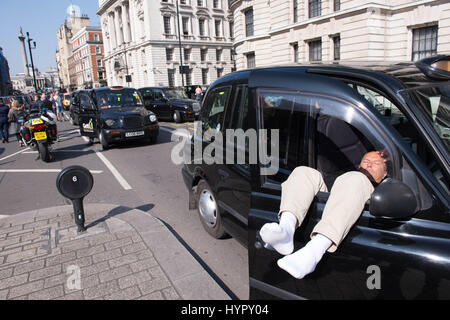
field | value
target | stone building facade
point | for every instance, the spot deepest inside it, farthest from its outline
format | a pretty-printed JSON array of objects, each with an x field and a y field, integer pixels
[
  {"x": 273, "y": 32},
  {"x": 141, "y": 40}
]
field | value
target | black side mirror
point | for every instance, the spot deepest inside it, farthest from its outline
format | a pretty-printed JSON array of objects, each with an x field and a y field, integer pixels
[{"x": 393, "y": 199}]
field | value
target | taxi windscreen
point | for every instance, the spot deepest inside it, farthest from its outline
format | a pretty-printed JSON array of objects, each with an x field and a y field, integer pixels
[{"x": 118, "y": 99}]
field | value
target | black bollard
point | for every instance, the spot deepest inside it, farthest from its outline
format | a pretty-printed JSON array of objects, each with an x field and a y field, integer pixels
[{"x": 74, "y": 183}]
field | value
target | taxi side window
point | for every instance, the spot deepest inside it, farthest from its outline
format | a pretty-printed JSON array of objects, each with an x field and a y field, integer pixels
[
  {"x": 288, "y": 114},
  {"x": 214, "y": 110},
  {"x": 240, "y": 109},
  {"x": 158, "y": 96},
  {"x": 85, "y": 102},
  {"x": 398, "y": 120}
]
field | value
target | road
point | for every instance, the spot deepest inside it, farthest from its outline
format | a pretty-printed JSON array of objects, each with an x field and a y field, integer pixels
[{"x": 135, "y": 175}]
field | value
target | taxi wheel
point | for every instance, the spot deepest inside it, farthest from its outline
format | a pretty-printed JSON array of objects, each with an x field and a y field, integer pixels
[
  {"x": 208, "y": 211},
  {"x": 176, "y": 117},
  {"x": 105, "y": 144}
]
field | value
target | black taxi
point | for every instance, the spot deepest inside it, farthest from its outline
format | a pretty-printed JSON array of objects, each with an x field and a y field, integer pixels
[
  {"x": 115, "y": 114},
  {"x": 258, "y": 125}
]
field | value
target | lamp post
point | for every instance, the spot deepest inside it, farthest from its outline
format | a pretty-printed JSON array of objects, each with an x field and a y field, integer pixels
[
  {"x": 179, "y": 44},
  {"x": 31, "y": 57}
]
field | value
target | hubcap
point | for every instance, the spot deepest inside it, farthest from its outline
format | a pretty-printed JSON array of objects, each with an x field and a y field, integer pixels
[{"x": 208, "y": 208}]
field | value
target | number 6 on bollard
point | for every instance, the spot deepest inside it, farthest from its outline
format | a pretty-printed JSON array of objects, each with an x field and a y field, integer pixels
[{"x": 74, "y": 183}]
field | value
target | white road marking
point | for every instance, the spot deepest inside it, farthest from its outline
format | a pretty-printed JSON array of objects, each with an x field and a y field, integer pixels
[
  {"x": 11, "y": 155},
  {"x": 114, "y": 171},
  {"x": 41, "y": 171},
  {"x": 2, "y": 216},
  {"x": 111, "y": 168},
  {"x": 32, "y": 152}
]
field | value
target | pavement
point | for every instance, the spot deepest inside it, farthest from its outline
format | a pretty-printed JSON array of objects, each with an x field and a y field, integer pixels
[{"x": 125, "y": 254}]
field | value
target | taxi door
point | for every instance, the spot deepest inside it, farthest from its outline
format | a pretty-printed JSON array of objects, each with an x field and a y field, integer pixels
[{"x": 88, "y": 117}]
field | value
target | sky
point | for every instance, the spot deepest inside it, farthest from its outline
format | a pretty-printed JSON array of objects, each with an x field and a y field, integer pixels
[{"x": 41, "y": 18}]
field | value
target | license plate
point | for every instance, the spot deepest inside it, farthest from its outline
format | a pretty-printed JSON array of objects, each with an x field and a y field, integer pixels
[
  {"x": 40, "y": 135},
  {"x": 134, "y": 134}
]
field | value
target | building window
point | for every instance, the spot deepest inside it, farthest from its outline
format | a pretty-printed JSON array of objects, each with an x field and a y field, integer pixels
[
  {"x": 200, "y": 3},
  {"x": 315, "y": 50},
  {"x": 337, "y": 5},
  {"x": 203, "y": 53},
  {"x": 217, "y": 25},
  {"x": 315, "y": 8},
  {"x": 295, "y": 51},
  {"x": 205, "y": 76},
  {"x": 231, "y": 24},
  {"x": 98, "y": 50},
  {"x": 251, "y": 61},
  {"x": 167, "y": 28},
  {"x": 169, "y": 54},
  {"x": 185, "y": 23},
  {"x": 189, "y": 77},
  {"x": 424, "y": 42},
  {"x": 201, "y": 26},
  {"x": 219, "y": 72},
  {"x": 218, "y": 55},
  {"x": 295, "y": 10},
  {"x": 96, "y": 38},
  {"x": 216, "y": 4},
  {"x": 187, "y": 54},
  {"x": 171, "y": 77},
  {"x": 183, "y": 1},
  {"x": 337, "y": 48},
  {"x": 99, "y": 63},
  {"x": 249, "y": 23}
]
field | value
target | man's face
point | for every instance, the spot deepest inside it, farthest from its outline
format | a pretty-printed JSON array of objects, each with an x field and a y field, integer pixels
[{"x": 373, "y": 163}]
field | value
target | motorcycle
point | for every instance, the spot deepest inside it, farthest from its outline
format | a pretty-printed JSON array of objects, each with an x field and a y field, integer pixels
[{"x": 39, "y": 132}]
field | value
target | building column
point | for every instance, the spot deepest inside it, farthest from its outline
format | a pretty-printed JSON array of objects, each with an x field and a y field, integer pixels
[
  {"x": 112, "y": 31},
  {"x": 119, "y": 35},
  {"x": 125, "y": 22}
]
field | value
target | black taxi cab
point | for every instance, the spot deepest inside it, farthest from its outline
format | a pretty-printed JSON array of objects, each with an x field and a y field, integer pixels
[
  {"x": 258, "y": 125},
  {"x": 115, "y": 114}
]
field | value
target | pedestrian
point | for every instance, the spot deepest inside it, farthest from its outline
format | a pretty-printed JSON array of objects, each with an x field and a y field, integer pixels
[
  {"x": 59, "y": 107},
  {"x": 15, "y": 114},
  {"x": 4, "y": 127},
  {"x": 348, "y": 195},
  {"x": 198, "y": 93}
]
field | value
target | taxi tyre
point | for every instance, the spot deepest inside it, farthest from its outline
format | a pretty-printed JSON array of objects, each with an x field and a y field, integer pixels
[
  {"x": 176, "y": 116},
  {"x": 207, "y": 206},
  {"x": 101, "y": 137}
]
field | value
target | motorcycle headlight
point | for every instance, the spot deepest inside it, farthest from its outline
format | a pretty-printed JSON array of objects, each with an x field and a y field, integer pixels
[
  {"x": 153, "y": 118},
  {"x": 110, "y": 122}
]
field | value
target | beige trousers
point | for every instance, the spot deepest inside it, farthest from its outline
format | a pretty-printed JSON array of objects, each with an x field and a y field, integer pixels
[{"x": 348, "y": 195}]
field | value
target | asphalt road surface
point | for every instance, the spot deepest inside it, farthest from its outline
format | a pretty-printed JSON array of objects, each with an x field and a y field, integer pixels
[{"x": 135, "y": 175}]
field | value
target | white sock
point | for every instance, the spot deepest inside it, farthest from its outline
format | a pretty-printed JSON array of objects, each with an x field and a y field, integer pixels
[
  {"x": 280, "y": 236},
  {"x": 305, "y": 260}
]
